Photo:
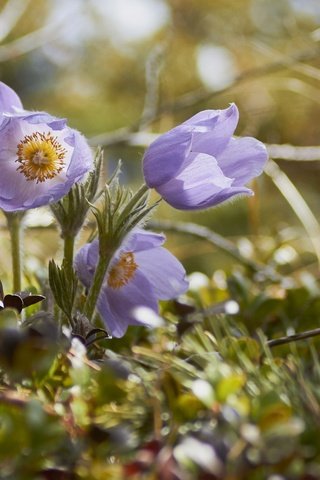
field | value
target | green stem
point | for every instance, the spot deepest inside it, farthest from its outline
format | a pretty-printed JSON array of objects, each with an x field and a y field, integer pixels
[
  {"x": 14, "y": 226},
  {"x": 68, "y": 250},
  {"x": 94, "y": 291},
  {"x": 107, "y": 250}
]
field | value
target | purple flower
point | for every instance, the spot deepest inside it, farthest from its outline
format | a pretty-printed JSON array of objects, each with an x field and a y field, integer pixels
[
  {"x": 141, "y": 272},
  {"x": 40, "y": 156},
  {"x": 199, "y": 164}
]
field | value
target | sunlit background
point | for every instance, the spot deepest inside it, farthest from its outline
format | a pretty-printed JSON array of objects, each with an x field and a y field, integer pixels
[{"x": 146, "y": 65}]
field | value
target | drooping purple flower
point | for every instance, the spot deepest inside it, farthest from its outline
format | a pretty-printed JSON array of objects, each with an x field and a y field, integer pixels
[
  {"x": 40, "y": 156},
  {"x": 200, "y": 164},
  {"x": 141, "y": 272}
]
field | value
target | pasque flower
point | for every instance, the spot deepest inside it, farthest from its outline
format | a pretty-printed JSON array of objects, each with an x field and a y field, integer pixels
[
  {"x": 199, "y": 164},
  {"x": 140, "y": 273},
  {"x": 40, "y": 156}
]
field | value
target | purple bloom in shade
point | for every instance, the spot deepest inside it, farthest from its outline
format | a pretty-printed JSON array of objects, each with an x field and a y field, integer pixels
[
  {"x": 40, "y": 156},
  {"x": 199, "y": 164},
  {"x": 141, "y": 272}
]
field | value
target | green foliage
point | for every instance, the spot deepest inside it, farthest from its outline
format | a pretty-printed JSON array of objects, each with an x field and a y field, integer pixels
[
  {"x": 71, "y": 210},
  {"x": 216, "y": 388},
  {"x": 63, "y": 284}
]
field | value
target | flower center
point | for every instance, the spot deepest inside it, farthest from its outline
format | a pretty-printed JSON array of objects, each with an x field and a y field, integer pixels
[
  {"x": 40, "y": 156},
  {"x": 122, "y": 271}
]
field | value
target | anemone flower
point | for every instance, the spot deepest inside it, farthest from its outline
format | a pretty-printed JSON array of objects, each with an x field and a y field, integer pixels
[
  {"x": 199, "y": 164},
  {"x": 40, "y": 156},
  {"x": 140, "y": 273}
]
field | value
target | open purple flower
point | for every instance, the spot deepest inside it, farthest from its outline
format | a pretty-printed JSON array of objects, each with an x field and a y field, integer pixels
[
  {"x": 199, "y": 164},
  {"x": 40, "y": 156},
  {"x": 140, "y": 273}
]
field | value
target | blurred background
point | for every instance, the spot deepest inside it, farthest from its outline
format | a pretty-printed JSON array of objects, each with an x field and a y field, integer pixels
[{"x": 115, "y": 68}]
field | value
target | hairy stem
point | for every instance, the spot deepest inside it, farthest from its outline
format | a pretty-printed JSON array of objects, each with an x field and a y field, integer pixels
[
  {"x": 108, "y": 244},
  {"x": 68, "y": 250},
  {"x": 95, "y": 288},
  {"x": 15, "y": 230}
]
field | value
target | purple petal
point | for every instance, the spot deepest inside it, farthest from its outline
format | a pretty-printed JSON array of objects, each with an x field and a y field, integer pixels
[
  {"x": 215, "y": 141},
  {"x": 225, "y": 195},
  {"x": 13, "y": 186},
  {"x": 93, "y": 254},
  {"x": 9, "y": 100},
  {"x": 116, "y": 326},
  {"x": 83, "y": 267},
  {"x": 140, "y": 239},
  {"x": 165, "y": 156},
  {"x": 20, "y": 194},
  {"x": 243, "y": 158},
  {"x": 82, "y": 159},
  {"x": 201, "y": 179},
  {"x": 206, "y": 118},
  {"x": 122, "y": 302},
  {"x": 165, "y": 273},
  {"x": 42, "y": 117},
  {"x": 210, "y": 201}
]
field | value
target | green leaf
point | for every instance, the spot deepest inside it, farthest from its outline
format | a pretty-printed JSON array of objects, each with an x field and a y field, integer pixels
[
  {"x": 72, "y": 209},
  {"x": 63, "y": 283},
  {"x": 230, "y": 385}
]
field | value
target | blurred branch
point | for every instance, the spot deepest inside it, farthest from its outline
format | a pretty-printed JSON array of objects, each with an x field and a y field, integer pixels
[
  {"x": 291, "y": 152},
  {"x": 10, "y": 16},
  {"x": 293, "y": 338},
  {"x": 36, "y": 39},
  {"x": 307, "y": 70},
  {"x": 29, "y": 42},
  {"x": 296, "y": 202},
  {"x": 153, "y": 69},
  {"x": 300, "y": 87},
  {"x": 202, "y": 95},
  {"x": 208, "y": 235}
]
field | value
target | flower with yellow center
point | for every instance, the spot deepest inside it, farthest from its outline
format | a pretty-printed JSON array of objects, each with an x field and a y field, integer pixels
[
  {"x": 141, "y": 273},
  {"x": 40, "y": 156}
]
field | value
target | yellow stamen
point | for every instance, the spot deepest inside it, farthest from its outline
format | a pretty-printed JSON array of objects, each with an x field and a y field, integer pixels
[
  {"x": 40, "y": 156},
  {"x": 122, "y": 271}
]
